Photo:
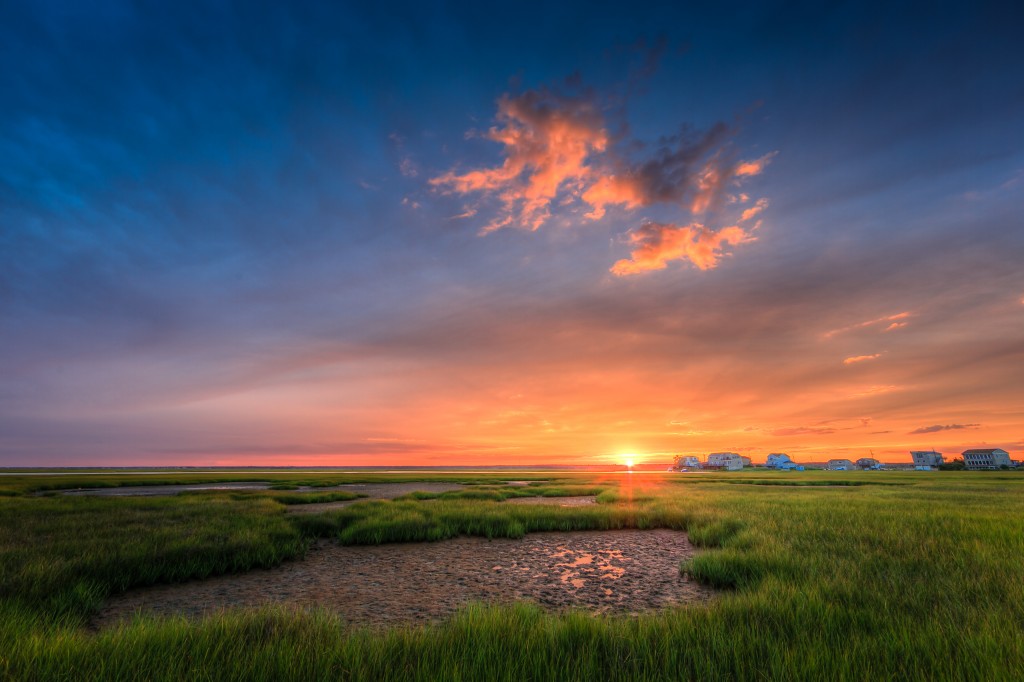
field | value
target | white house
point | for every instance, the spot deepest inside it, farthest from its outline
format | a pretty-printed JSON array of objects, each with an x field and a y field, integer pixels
[
  {"x": 839, "y": 465},
  {"x": 686, "y": 462},
  {"x": 926, "y": 460},
  {"x": 986, "y": 458},
  {"x": 869, "y": 464},
  {"x": 730, "y": 461}
]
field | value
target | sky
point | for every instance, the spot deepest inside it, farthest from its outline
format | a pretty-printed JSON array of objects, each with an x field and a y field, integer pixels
[{"x": 464, "y": 234}]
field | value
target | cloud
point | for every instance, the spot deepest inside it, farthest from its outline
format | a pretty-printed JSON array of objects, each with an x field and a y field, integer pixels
[
  {"x": 940, "y": 427},
  {"x": 408, "y": 167},
  {"x": 860, "y": 358},
  {"x": 754, "y": 167},
  {"x": 898, "y": 320},
  {"x": 548, "y": 138},
  {"x": 875, "y": 390},
  {"x": 654, "y": 245},
  {"x": 682, "y": 167},
  {"x": 467, "y": 212},
  {"x": 558, "y": 151},
  {"x": 803, "y": 431},
  {"x": 761, "y": 205}
]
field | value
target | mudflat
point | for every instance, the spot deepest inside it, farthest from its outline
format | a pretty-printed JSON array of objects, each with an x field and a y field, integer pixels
[{"x": 624, "y": 571}]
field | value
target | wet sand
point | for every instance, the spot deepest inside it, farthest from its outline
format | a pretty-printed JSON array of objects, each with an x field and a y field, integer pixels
[{"x": 627, "y": 571}]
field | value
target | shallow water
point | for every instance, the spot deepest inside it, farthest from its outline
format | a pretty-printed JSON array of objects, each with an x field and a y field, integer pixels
[{"x": 626, "y": 571}]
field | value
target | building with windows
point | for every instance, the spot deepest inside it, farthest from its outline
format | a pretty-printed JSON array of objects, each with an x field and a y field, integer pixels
[
  {"x": 730, "y": 461},
  {"x": 839, "y": 465},
  {"x": 685, "y": 463},
  {"x": 868, "y": 464},
  {"x": 781, "y": 461},
  {"x": 986, "y": 458},
  {"x": 926, "y": 460}
]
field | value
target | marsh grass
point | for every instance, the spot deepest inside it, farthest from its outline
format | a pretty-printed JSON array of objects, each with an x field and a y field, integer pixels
[
  {"x": 500, "y": 493},
  {"x": 916, "y": 581}
]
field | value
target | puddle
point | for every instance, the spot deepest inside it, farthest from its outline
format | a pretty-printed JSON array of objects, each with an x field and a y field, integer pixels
[
  {"x": 576, "y": 501},
  {"x": 625, "y": 571}
]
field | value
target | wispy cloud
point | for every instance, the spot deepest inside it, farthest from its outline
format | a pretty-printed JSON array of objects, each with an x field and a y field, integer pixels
[
  {"x": 935, "y": 428},
  {"x": 874, "y": 390},
  {"x": 759, "y": 206},
  {"x": 853, "y": 359},
  {"x": 656, "y": 244},
  {"x": 897, "y": 320},
  {"x": 803, "y": 431}
]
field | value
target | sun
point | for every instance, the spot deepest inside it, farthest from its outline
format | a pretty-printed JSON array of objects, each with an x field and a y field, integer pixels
[{"x": 629, "y": 462}]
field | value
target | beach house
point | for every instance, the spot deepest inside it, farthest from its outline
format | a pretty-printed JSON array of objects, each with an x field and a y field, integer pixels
[
  {"x": 686, "y": 463},
  {"x": 780, "y": 460},
  {"x": 926, "y": 460},
  {"x": 839, "y": 465},
  {"x": 730, "y": 461},
  {"x": 986, "y": 458}
]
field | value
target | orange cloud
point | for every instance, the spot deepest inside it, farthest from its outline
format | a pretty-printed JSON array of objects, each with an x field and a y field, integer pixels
[
  {"x": 875, "y": 390},
  {"x": 896, "y": 321},
  {"x": 547, "y": 138},
  {"x": 754, "y": 167},
  {"x": 861, "y": 358},
  {"x": 761, "y": 205},
  {"x": 613, "y": 190},
  {"x": 654, "y": 245},
  {"x": 719, "y": 174},
  {"x": 557, "y": 144}
]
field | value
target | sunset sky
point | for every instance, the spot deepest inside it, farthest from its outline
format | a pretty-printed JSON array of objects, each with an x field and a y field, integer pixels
[{"x": 508, "y": 234}]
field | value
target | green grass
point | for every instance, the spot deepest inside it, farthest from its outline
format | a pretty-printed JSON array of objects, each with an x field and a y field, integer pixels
[{"x": 835, "y": 578}]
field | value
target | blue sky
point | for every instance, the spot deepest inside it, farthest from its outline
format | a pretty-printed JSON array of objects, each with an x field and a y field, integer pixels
[{"x": 226, "y": 233}]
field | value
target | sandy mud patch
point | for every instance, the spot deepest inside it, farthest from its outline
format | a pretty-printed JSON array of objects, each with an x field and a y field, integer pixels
[
  {"x": 574, "y": 501},
  {"x": 626, "y": 571}
]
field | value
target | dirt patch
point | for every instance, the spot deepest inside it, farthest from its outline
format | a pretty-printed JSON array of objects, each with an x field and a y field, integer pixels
[
  {"x": 626, "y": 571},
  {"x": 575, "y": 501}
]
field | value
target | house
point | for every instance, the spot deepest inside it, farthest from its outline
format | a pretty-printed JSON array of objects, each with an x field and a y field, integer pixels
[
  {"x": 868, "y": 464},
  {"x": 986, "y": 458},
  {"x": 781, "y": 461},
  {"x": 926, "y": 460},
  {"x": 746, "y": 461},
  {"x": 839, "y": 465},
  {"x": 685, "y": 463},
  {"x": 729, "y": 461}
]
